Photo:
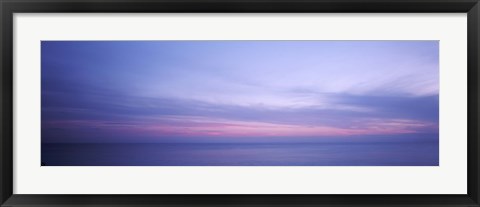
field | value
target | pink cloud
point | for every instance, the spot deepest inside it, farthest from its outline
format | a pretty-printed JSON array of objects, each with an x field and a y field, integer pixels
[
  {"x": 191, "y": 126},
  {"x": 198, "y": 126}
]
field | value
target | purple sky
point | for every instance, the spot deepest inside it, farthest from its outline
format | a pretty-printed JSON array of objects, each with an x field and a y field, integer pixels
[{"x": 245, "y": 91}]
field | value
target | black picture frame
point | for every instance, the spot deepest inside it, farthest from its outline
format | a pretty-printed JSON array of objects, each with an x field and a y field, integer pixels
[{"x": 9, "y": 7}]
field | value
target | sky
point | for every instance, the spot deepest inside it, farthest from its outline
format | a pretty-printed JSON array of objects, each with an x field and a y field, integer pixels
[{"x": 239, "y": 91}]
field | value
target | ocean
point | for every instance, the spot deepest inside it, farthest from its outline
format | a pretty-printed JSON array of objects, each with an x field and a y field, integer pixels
[{"x": 242, "y": 154}]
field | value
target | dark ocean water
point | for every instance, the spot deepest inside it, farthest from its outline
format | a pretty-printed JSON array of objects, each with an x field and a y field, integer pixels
[{"x": 282, "y": 154}]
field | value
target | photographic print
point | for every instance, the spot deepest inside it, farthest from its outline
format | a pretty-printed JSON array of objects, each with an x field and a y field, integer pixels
[{"x": 240, "y": 103}]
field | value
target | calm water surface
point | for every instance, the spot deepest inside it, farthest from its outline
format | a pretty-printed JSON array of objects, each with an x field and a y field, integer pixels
[{"x": 284, "y": 154}]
